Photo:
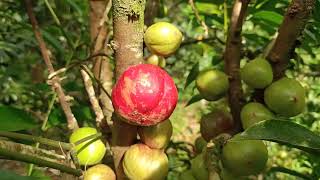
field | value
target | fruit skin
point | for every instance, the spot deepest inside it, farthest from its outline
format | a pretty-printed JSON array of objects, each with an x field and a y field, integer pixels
[
  {"x": 199, "y": 168},
  {"x": 253, "y": 113},
  {"x": 215, "y": 123},
  {"x": 163, "y": 38},
  {"x": 257, "y": 73},
  {"x": 199, "y": 144},
  {"x": 144, "y": 95},
  {"x": 143, "y": 163},
  {"x": 226, "y": 175},
  {"x": 88, "y": 154},
  {"x": 99, "y": 172},
  {"x": 187, "y": 175},
  {"x": 157, "y": 136},
  {"x": 285, "y": 97},
  {"x": 244, "y": 157},
  {"x": 156, "y": 60},
  {"x": 212, "y": 84}
]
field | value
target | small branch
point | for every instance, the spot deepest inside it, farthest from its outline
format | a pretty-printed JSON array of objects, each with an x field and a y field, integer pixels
[
  {"x": 193, "y": 41},
  {"x": 13, "y": 151},
  {"x": 72, "y": 122},
  {"x": 40, "y": 140},
  {"x": 203, "y": 24},
  {"x": 232, "y": 59},
  {"x": 291, "y": 28}
]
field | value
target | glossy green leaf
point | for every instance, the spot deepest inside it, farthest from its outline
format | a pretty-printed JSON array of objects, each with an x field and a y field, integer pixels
[
  {"x": 194, "y": 99},
  {"x": 284, "y": 132},
  {"x": 269, "y": 16},
  {"x": 192, "y": 75},
  {"x": 289, "y": 171},
  {"x": 208, "y": 8},
  {"x": 13, "y": 119}
]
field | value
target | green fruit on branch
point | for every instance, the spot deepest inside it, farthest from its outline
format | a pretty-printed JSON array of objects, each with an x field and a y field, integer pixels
[
  {"x": 156, "y": 60},
  {"x": 89, "y": 152},
  {"x": 199, "y": 168},
  {"x": 99, "y": 172},
  {"x": 157, "y": 136},
  {"x": 199, "y": 144},
  {"x": 215, "y": 123},
  {"x": 163, "y": 38},
  {"x": 227, "y": 175},
  {"x": 257, "y": 73},
  {"x": 285, "y": 97},
  {"x": 253, "y": 113},
  {"x": 212, "y": 84},
  {"x": 244, "y": 157},
  {"x": 187, "y": 175},
  {"x": 143, "y": 163}
]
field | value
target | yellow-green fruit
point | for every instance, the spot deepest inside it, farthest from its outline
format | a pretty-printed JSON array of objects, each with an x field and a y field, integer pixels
[
  {"x": 199, "y": 168},
  {"x": 163, "y": 38},
  {"x": 199, "y": 144},
  {"x": 99, "y": 172},
  {"x": 253, "y": 113},
  {"x": 89, "y": 152},
  {"x": 157, "y": 136},
  {"x": 226, "y": 175},
  {"x": 143, "y": 163},
  {"x": 244, "y": 157},
  {"x": 156, "y": 60},
  {"x": 285, "y": 97},
  {"x": 212, "y": 84},
  {"x": 187, "y": 175},
  {"x": 257, "y": 73}
]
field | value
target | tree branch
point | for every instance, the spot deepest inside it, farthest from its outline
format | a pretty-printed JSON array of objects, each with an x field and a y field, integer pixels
[
  {"x": 200, "y": 21},
  {"x": 293, "y": 24},
  {"x": 232, "y": 59},
  {"x": 72, "y": 122},
  {"x": 128, "y": 23}
]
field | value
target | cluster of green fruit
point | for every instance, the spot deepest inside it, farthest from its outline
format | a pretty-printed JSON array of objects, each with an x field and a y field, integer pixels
[
  {"x": 284, "y": 97},
  {"x": 162, "y": 39}
]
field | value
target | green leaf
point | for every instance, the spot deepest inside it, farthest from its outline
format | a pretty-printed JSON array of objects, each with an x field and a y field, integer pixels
[
  {"x": 207, "y": 8},
  {"x": 269, "y": 16},
  {"x": 289, "y": 171},
  {"x": 9, "y": 175},
  {"x": 192, "y": 75},
  {"x": 284, "y": 132},
  {"x": 13, "y": 119},
  {"x": 194, "y": 99}
]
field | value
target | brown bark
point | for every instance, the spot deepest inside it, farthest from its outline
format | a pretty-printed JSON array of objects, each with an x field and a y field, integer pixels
[
  {"x": 128, "y": 23},
  {"x": 152, "y": 9},
  {"x": 232, "y": 59},
  {"x": 293, "y": 24},
  {"x": 72, "y": 122},
  {"x": 101, "y": 69}
]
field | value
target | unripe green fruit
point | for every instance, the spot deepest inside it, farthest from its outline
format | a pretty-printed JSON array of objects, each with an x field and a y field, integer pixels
[
  {"x": 199, "y": 168},
  {"x": 227, "y": 175},
  {"x": 163, "y": 38},
  {"x": 91, "y": 151},
  {"x": 156, "y": 60},
  {"x": 244, "y": 157},
  {"x": 212, "y": 84},
  {"x": 143, "y": 163},
  {"x": 157, "y": 136},
  {"x": 253, "y": 113},
  {"x": 285, "y": 97},
  {"x": 99, "y": 172},
  {"x": 187, "y": 175},
  {"x": 199, "y": 144},
  {"x": 215, "y": 123},
  {"x": 257, "y": 73}
]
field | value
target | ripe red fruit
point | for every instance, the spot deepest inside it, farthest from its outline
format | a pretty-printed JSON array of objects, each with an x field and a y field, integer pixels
[{"x": 144, "y": 95}]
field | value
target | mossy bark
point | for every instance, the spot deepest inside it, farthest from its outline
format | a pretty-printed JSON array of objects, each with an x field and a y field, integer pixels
[{"x": 128, "y": 23}]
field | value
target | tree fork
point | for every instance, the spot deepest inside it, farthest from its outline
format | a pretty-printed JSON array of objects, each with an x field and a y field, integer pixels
[{"x": 128, "y": 23}]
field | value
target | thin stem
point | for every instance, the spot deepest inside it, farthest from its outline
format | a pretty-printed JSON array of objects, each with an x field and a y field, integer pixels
[
  {"x": 39, "y": 161},
  {"x": 31, "y": 166},
  {"x": 49, "y": 142},
  {"x": 51, "y": 103},
  {"x": 225, "y": 19}
]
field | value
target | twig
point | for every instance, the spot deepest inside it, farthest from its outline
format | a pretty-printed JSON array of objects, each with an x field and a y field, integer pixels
[
  {"x": 232, "y": 59},
  {"x": 293, "y": 24},
  {"x": 203, "y": 24},
  {"x": 72, "y": 122},
  {"x": 193, "y": 41},
  {"x": 92, "y": 96}
]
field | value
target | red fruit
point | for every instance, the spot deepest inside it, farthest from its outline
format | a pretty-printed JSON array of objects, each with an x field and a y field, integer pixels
[{"x": 144, "y": 95}]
